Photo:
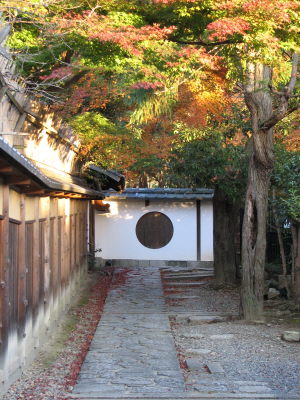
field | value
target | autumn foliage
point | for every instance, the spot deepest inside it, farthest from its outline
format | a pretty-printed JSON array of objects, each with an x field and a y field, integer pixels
[{"x": 148, "y": 66}]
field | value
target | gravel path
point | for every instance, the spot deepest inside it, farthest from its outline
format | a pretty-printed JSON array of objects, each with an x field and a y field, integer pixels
[{"x": 245, "y": 352}]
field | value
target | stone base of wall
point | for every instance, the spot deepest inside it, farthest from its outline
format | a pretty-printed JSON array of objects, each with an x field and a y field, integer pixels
[{"x": 100, "y": 263}]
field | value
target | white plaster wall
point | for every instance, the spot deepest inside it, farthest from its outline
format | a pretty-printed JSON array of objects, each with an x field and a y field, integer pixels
[
  {"x": 29, "y": 208},
  {"x": 206, "y": 228},
  {"x": 115, "y": 231},
  {"x": 14, "y": 205}
]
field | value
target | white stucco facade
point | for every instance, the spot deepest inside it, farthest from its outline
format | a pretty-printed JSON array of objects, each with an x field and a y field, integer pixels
[{"x": 115, "y": 231}]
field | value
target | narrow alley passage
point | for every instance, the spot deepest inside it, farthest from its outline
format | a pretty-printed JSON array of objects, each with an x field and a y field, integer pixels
[{"x": 133, "y": 349}]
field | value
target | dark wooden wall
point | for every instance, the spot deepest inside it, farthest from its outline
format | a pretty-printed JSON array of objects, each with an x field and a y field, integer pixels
[{"x": 42, "y": 261}]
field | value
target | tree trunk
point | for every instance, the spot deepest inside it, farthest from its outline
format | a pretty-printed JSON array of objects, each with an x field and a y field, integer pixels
[
  {"x": 259, "y": 102},
  {"x": 254, "y": 241},
  {"x": 296, "y": 259},
  {"x": 258, "y": 93},
  {"x": 225, "y": 228},
  {"x": 143, "y": 181}
]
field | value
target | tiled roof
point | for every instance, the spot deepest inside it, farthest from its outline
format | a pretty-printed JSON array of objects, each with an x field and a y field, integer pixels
[
  {"x": 177, "y": 194},
  {"x": 109, "y": 179}
]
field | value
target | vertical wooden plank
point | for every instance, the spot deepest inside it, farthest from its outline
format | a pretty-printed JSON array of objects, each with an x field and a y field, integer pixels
[
  {"x": 53, "y": 256},
  {"x": 76, "y": 239},
  {"x": 91, "y": 234},
  {"x": 71, "y": 236},
  {"x": 12, "y": 276},
  {"x": 63, "y": 251},
  {"x": 3, "y": 273},
  {"x": 54, "y": 266},
  {"x": 21, "y": 273},
  {"x": 66, "y": 249},
  {"x": 59, "y": 257},
  {"x": 62, "y": 257},
  {"x": 29, "y": 245},
  {"x": 47, "y": 268},
  {"x": 41, "y": 261},
  {"x": 82, "y": 230},
  {"x": 36, "y": 264},
  {"x": 86, "y": 230}
]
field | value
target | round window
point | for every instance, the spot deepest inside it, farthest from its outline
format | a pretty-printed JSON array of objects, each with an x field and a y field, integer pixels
[{"x": 154, "y": 230}]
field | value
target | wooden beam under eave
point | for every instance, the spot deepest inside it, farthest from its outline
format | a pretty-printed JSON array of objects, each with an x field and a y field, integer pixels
[
  {"x": 19, "y": 181},
  {"x": 57, "y": 194},
  {"x": 75, "y": 195},
  {"x": 40, "y": 192},
  {"x": 68, "y": 195},
  {"x": 6, "y": 170}
]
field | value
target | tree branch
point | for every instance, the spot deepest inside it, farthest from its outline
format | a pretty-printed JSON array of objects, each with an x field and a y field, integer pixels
[
  {"x": 204, "y": 44},
  {"x": 276, "y": 117},
  {"x": 293, "y": 79},
  {"x": 283, "y": 110}
]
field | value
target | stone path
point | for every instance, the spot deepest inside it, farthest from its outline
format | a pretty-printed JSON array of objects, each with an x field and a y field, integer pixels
[
  {"x": 133, "y": 349},
  {"x": 133, "y": 355}
]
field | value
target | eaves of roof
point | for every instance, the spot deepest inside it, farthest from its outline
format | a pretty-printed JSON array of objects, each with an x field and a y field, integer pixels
[
  {"x": 22, "y": 164},
  {"x": 108, "y": 178},
  {"x": 177, "y": 194}
]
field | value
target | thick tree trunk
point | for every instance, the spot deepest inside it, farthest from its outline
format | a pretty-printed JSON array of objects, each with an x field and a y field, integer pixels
[
  {"x": 254, "y": 241},
  {"x": 259, "y": 102},
  {"x": 258, "y": 94},
  {"x": 225, "y": 228},
  {"x": 296, "y": 260}
]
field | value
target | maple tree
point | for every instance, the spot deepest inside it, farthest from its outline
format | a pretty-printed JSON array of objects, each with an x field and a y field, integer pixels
[
  {"x": 214, "y": 157},
  {"x": 177, "y": 60}
]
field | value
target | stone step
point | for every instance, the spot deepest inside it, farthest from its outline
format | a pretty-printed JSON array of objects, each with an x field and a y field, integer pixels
[
  {"x": 184, "y": 284},
  {"x": 200, "y": 319},
  {"x": 178, "y": 396},
  {"x": 183, "y": 277},
  {"x": 186, "y": 271}
]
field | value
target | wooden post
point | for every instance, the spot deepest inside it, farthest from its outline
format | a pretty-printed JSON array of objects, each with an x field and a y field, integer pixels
[
  {"x": 21, "y": 274},
  {"x": 54, "y": 255},
  {"x": 3, "y": 274},
  {"x": 47, "y": 269},
  {"x": 35, "y": 272}
]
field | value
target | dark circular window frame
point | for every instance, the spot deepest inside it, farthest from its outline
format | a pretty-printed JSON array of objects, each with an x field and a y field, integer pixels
[{"x": 154, "y": 234}]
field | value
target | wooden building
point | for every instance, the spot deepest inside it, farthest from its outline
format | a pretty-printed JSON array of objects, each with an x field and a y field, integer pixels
[{"x": 45, "y": 227}]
